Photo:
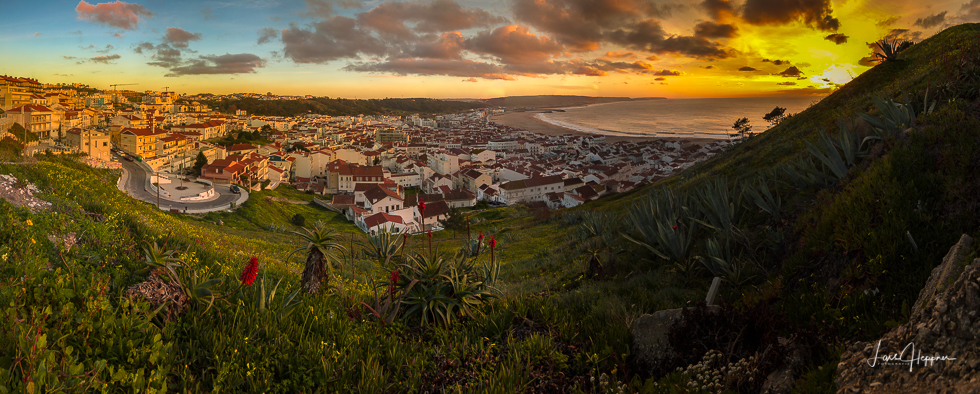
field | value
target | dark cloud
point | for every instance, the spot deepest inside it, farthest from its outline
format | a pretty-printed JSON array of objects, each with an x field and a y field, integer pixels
[
  {"x": 714, "y": 30},
  {"x": 620, "y": 55},
  {"x": 837, "y": 38},
  {"x": 335, "y": 38},
  {"x": 931, "y": 20},
  {"x": 456, "y": 68},
  {"x": 69, "y": 57},
  {"x": 180, "y": 38},
  {"x": 119, "y": 35},
  {"x": 887, "y": 21},
  {"x": 709, "y": 67},
  {"x": 92, "y": 47},
  {"x": 450, "y": 45},
  {"x": 786, "y": 83},
  {"x": 668, "y": 73},
  {"x": 970, "y": 12},
  {"x": 816, "y": 14},
  {"x": 391, "y": 18},
  {"x": 901, "y": 34},
  {"x": 118, "y": 14},
  {"x": 582, "y": 24},
  {"x": 791, "y": 72},
  {"x": 747, "y": 68},
  {"x": 225, "y": 64},
  {"x": 514, "y": 45},
  {"x": 868, "y": 61},
  {"x": 106, "y": 59},
  {"x": 208, "y": 14},
  {"x": 776, "y": 62},
  {"x": 325, "y": 8},
  {"x": 166, "y": 56},
  {"x": 143, "y": 46},
  {"x": 809, "y": 90},
  {"x": 650, "y": 36},
  {"x": 660, "y": 79},
  {"x": 267, "y": 34},
  {"x": 718, "y": 9}
]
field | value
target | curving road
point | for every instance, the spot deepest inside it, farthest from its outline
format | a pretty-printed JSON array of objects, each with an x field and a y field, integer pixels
[{"x": 134, "y": 180}]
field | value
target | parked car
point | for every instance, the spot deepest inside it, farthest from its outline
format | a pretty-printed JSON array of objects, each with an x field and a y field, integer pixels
[
  {"x": 128, "y": 158},
  {"x": 235, "y": 189}
]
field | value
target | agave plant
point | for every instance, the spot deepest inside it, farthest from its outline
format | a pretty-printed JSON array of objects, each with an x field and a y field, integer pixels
[
  {"x": 661, "y": 225},
  {"x": 895, "y": 116},
  {"x": 888, "y": 50},
  {"x": 765, "y": 199},
  {"x": 840, "y": 154},
  {"x": 717, "y": 209},
  {"x": 320, "y": 243}
]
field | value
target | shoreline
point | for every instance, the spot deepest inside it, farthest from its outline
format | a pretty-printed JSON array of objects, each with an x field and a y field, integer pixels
[{"x": 528, "y": 121}]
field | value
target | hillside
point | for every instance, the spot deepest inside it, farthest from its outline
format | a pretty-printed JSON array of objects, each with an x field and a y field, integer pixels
[{"x": 819, "y": 245}]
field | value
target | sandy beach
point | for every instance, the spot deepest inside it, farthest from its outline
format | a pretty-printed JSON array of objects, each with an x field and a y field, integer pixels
[{"x": 528, "y": 121}]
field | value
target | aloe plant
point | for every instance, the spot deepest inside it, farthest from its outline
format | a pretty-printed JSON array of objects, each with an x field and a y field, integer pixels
[
  {"x": 383, "y": 245},
  {"x": 441, "y": 290}
]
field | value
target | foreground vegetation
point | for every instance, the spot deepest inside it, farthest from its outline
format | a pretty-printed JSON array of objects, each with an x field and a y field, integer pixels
[{"x": 823, "y": 237}]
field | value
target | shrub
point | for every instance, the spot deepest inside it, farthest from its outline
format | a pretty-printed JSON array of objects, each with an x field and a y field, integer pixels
[{"x": 298, "y": 219}]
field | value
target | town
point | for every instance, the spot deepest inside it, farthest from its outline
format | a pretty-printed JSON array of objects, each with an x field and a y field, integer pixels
[{"x": 376, "y": 170}]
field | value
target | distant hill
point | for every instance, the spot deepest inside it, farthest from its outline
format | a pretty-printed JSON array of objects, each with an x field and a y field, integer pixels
[
  {"x": 550, "y": 101},
  {"x": 342, "y": 107}
]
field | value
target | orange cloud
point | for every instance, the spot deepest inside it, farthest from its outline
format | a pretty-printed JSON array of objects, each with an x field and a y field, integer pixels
[{"x": 119, "y": 14}]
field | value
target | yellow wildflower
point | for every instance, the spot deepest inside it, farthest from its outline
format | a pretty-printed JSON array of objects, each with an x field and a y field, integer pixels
[
  {"x": 29, "y": 222},
  {"x": 33, "y": 241}
]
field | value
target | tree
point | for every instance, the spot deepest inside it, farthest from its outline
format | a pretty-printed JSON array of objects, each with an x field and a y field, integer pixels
[
  {"x": 320, "y": 243},
  {"x": 199, "y": 163},
  {"x": 777, "y": 115},
  {"x": 742, "y": 126},
  {"x": 455, "y": 220}
]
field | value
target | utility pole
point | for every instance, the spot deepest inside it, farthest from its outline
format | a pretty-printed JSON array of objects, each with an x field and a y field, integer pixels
[{"x": 158, "y": 189}]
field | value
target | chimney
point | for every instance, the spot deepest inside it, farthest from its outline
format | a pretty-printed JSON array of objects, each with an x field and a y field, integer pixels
[{"x": 153, "y": 126}]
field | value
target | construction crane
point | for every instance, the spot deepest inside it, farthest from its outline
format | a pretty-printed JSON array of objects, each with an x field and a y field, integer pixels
[{"x": 121, "y": 84}]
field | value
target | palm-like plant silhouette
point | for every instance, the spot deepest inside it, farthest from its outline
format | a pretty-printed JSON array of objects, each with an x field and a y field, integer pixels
[{"x": 320, "y": 242}]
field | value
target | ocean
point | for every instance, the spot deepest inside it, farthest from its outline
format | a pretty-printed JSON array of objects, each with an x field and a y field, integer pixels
[{"x": 690, "y": 118}]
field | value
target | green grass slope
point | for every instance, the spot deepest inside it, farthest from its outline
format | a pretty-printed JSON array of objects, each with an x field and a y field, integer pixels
[{"x": 825, "y": 261}]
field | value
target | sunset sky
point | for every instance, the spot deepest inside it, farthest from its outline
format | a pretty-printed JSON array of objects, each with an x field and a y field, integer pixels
[{"x": 463, "y": 49}]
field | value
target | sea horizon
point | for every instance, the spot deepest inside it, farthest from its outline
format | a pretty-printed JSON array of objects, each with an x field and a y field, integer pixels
[{"x": 672, "y": 117}]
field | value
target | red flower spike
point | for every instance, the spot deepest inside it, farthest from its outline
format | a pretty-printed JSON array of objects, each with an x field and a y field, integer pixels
[
  {"x": 429, "y": 234},
  {"x": 250, "y": 271},
  {"x": 421, "y": 205},
  {"x": 675, "y": 227},
  {"x": 393, "y": 280},
  {"x": 493, "y": 242},
  {"x": 480, "y": 238}
]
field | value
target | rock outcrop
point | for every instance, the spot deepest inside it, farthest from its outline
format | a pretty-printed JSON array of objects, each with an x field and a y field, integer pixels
[
  {"x": 938, "y": 350},
  {"x": 650, "y": 342}
]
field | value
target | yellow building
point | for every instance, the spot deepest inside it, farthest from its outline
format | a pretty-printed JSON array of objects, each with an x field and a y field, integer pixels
[
  {"x": 140, "y": 142},
  {"x": 15, "y": 92},
  {"x": 93, "y": 143}
]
